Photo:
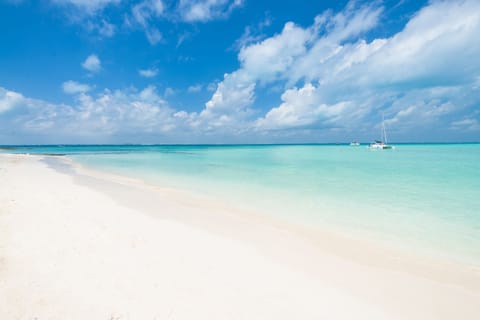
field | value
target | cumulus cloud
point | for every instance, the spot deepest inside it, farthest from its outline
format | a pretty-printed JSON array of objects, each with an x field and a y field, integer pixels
[
  {"x": 128, "y": 114},
  {"x": 109, "y": 113},
  {"x": 333, "y": 77},
  {"x": 231, "y": 100},
  {"x": 73, "y": 87},
  {"x": 148, "y": 73},
  {"x": 205, "y": 10},
  {"x": 263, "y": 62},
  {"x": 300, "y": 108},
  {"x": 270, "y": 59},
  {"x": 9, "y": 99},
  {"x": 92, "y": 63}
]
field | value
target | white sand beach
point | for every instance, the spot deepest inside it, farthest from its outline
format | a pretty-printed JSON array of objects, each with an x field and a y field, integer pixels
[{"x": 86, "y": 245}]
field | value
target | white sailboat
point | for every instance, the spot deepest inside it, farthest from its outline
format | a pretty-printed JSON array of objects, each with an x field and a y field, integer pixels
[{"x": 381, "y": 144}]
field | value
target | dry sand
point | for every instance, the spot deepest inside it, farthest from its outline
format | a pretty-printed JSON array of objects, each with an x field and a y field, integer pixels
[{"x": 86, "y": 245}]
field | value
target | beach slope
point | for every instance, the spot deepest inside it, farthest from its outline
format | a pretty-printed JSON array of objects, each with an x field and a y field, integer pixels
[{"x": 94, "y": 248}]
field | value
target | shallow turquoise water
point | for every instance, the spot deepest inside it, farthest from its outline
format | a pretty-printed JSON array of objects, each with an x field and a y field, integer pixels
[{"x": 422, "y": 197}]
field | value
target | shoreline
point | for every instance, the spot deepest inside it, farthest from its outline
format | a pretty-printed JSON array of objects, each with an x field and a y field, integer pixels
[
  {"x": 344, "y": 246},
  {"x": 350, "y": 271},
  {"x": 417, "y": 217},
  {"x": 314, "y": 232}
]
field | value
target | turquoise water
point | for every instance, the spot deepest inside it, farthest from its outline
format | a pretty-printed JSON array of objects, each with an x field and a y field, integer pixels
[{"x": 421, "y": 197}]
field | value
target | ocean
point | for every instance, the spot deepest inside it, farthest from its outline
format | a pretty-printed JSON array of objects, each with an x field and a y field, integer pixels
[{"x": 424, "y": 198}]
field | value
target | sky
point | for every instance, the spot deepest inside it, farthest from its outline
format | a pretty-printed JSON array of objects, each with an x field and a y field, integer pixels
[{"x": 238, "y": 71}]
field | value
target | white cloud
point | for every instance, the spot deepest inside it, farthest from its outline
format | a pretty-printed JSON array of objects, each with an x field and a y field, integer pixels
[
  {"x": 344, "y": 79},
  {"x": 148, "y": 73},
  {"x": 106, "y": 29},
  {"x": 89, "y": 14},
  {"x": 270, "y": 59},
  {"x": 466, "y": 124},
  {"x": 195, "y": 88},
  {"x": 73, "y": 87},
  {"x": 92, "y": 63},
  {"x": 253, "y": 33},
  {"x": 231, "y": 100},
  {"x": 248, "y": 37},
  {"x": 183, "y": 37},
  {"x": 301, "y": 107},
  {"x": 169, "y": 92},
  {"x": 119, "y": 112},
  {"x": 111, "y": 116},
  {"x": 331, "y": 79},
  {"x": 263, "y": 62},
  {"x": 142, "y": 14},
  {"x": 205, "y": 10},
  {"x": 143, "y": 11},
  {"x": 154, "y": 36},
  {"x": 9, "y": 99},
  {"x": 88, "y": 6},
  {"x": 212, "y": 86}
]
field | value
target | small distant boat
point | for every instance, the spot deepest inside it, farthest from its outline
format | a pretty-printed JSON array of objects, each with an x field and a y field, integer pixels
[
  {"x": 381, "y": 144},
  {"x": 354, "y": 143}
]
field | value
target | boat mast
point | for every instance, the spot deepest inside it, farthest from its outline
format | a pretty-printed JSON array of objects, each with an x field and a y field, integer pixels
[{"x": 383, "y": 129}]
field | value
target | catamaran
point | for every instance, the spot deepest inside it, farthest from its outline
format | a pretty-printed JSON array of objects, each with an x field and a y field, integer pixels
[{"x": 381, "y": 144}]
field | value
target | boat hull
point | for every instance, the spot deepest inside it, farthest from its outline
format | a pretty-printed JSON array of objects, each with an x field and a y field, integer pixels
[{"x": 380, "y": 146}]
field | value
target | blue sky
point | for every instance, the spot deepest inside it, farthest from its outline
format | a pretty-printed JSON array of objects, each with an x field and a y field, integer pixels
[{"x": 238, "y": 71}]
